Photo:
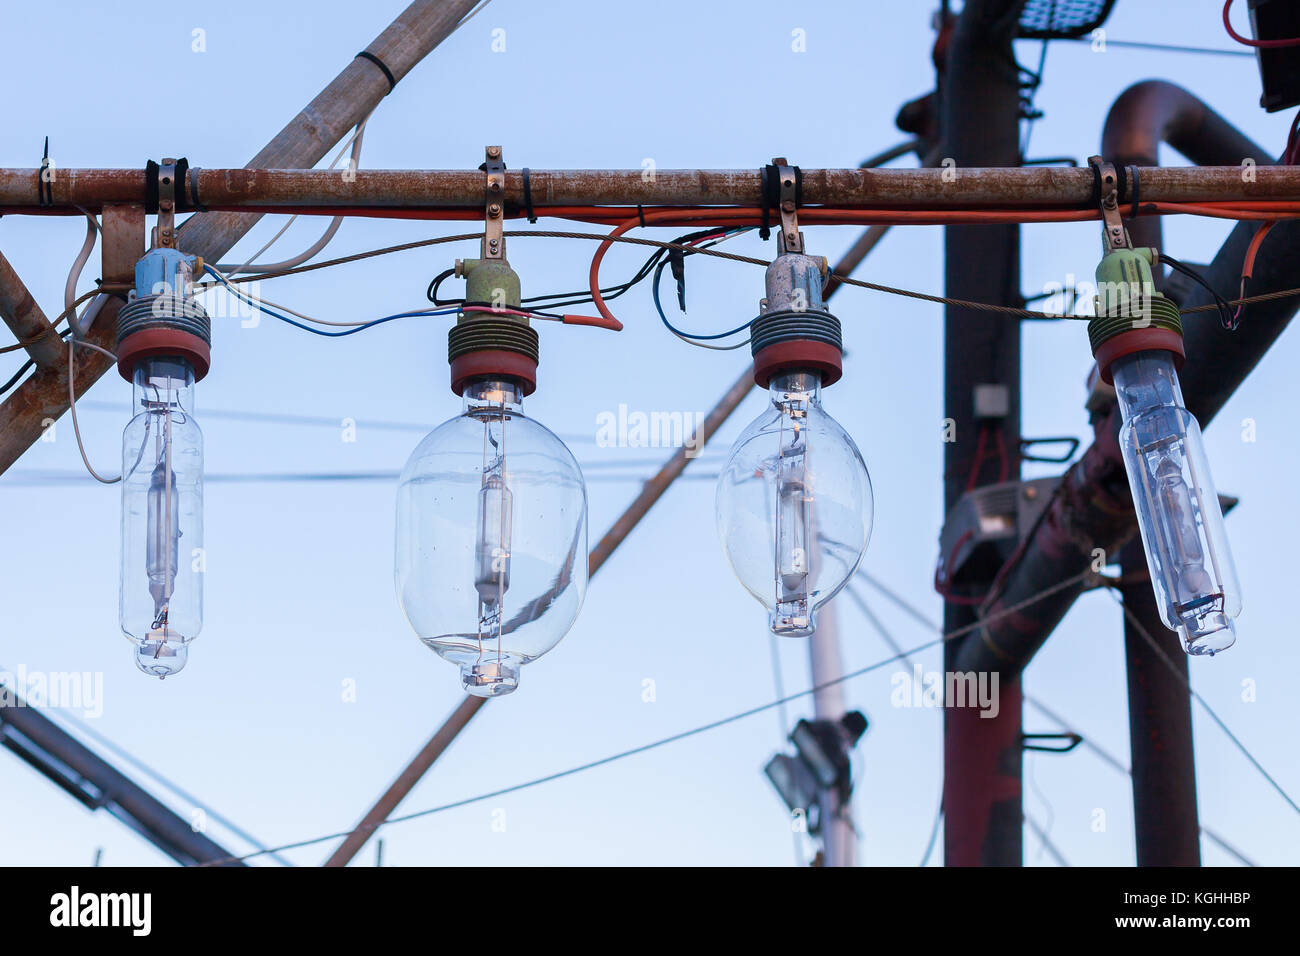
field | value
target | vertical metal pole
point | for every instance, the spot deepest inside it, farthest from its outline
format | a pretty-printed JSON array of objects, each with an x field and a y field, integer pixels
[
  {"x": 980, "y": 127},
  {"x": 839, "y": 839},
  {"x": 1165, "y": 821}
]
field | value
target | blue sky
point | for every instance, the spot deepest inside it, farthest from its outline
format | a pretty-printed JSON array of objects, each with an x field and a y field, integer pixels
[{"x": 299, "y": 594}]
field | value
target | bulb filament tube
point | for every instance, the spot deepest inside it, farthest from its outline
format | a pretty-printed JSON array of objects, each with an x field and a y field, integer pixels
[
  {"x": 1176, "y": 505},
  {"x": 794, "y": 545}
]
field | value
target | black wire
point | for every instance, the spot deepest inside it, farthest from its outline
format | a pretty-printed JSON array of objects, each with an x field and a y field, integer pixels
[
  {"x": 1225, "y": 310},
  {"x": 575, "y": 298},
  {"x": 26, "y": 367},
  {"x": 22, "y": 370}
]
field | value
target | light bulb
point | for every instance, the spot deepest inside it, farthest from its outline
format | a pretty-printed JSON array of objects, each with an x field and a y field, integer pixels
[
  {"x": 161, "y": 599},
  {"x": 794, "y": 505},
  {"x": 1177, "y": 508},
  {"x": 491, "y": 546}
]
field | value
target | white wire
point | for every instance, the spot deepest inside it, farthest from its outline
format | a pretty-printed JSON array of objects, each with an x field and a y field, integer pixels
[
  {"x": 355, "y": 142},
  {"x": 72, "y": 405},
  {"x": 74, "y": 274}
]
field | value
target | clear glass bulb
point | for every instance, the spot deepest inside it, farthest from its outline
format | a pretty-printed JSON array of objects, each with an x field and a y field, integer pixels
[
  {"x": 160, "y": 605},
  {"x": 794, "y": 505},
  {"x": 491, "y": 554},
  {"x": 1177, "y": 507}
]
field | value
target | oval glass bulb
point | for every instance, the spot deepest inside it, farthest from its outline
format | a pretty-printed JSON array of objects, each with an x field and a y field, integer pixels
[
  {"x": 1177, "y": 507},
  {"x": 491, "y": 545},
  {"x": 794, "y": 505},
  {"x": 160, "y": 605}
]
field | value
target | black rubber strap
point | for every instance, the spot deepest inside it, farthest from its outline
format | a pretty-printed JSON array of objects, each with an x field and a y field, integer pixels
[
  {"x": 151, "y": 187},
  {"x": 771, "y": 185},
  {"x": 182, "y": 199},
  {"x": 388, "y": 74},
  {"x": 1133, "y": 174},
  {"x": 640, "y": 214},
  {"x": 528, "y": 198}
]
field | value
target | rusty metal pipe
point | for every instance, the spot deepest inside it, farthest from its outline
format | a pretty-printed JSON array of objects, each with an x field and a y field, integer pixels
[{"x": 301, "y": 190}]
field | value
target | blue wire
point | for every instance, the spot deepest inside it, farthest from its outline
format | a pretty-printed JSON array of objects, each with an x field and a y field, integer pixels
[
  {"x": 307, "y": 328},
  {"x": 686, "y": 335}
]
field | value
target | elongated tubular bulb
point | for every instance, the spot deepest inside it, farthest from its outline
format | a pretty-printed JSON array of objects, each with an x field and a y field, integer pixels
[
  {"x": 1177, "y": 507},
  {"x": 161, "y": 596}
]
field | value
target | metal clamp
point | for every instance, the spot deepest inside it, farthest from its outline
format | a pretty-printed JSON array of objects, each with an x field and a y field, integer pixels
[
  {"x": 1060, "y": 743},
  {"x": 166, "y": 236},
  {"x": 788, "y": 182},
  {"x": 494, "y": 243},
  {"x": 1115, "y": 236}
]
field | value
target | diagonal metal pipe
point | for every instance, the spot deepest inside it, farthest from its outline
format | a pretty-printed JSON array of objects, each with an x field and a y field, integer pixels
[{"x": 348, "y": 99}]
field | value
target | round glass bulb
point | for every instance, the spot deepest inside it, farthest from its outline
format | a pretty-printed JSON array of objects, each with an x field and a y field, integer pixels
[
  {"x": 491, "y": 548},
  {"x": 794, "y": 505}
]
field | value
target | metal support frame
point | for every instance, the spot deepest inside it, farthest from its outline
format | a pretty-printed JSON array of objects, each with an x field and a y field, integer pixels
[{"x": 90, "y": 779}]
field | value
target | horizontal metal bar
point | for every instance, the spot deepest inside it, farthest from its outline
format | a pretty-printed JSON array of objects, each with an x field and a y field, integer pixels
[{"x": 266, "y": 189}]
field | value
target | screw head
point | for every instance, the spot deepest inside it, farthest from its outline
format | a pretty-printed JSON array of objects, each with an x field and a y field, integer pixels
[{"x": 494, "y": 152}]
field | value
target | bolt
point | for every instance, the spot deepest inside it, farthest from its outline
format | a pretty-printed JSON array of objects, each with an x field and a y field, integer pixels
[
  {"x": 787, "y": 206},
  {"x": 1031, "y": 492},
  {"x": 494, "y": 186},
  {"x": 494, "y": 152},
  {"x": 494, "y": 210}
]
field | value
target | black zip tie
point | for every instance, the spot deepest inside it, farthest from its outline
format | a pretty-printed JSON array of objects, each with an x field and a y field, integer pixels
[
  {"x": 528, "y": 198},
  {"x": 640, "y": 214},
  {"x": 388, "y": 74},
  {"x": 1095, "y": 198},
  {"x": 1121, "y": 185},
  {"x": 1133, "y": 171},
  {"x": 44, "y": 188}
]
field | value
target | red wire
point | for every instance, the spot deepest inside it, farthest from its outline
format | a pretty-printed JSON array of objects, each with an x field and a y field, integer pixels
[
  {"x": 1258, "y": 44},
  {"x": 941, "y": 576},
  {"x": 977, "y": 460}
]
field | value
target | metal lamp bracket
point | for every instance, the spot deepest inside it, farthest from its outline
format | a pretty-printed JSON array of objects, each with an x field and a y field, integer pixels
[
  {"x": 787, "y": 179},
  {"x": 494, "y": 243},
  {"x": 1114, "y": 235},
  {"x": 166, "y": 234}
]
